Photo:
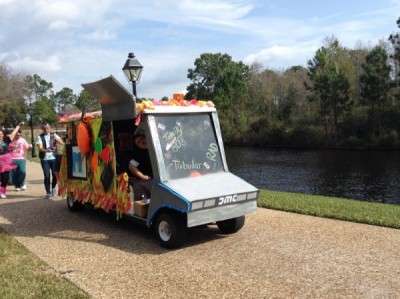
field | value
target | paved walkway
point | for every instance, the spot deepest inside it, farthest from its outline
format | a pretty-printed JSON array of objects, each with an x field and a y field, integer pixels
[{"x": 275, "y": 255}]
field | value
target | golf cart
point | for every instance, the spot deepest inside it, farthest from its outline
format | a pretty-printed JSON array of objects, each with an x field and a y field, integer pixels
[{"x": 191, "y": 183}]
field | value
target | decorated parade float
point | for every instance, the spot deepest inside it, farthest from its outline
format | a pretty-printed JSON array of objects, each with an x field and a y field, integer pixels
[{"x": 191, "y": 184}]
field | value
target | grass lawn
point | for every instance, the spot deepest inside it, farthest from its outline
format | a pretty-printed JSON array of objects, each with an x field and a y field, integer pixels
[
  {"x": 23, "y": 275},
  {"x": 332, "y": 207}
]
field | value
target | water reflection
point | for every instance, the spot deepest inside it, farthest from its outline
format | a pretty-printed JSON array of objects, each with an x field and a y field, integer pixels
[{"x": 368, "y": 175}]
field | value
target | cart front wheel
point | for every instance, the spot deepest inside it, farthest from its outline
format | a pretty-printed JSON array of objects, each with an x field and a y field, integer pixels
[{"x": 171, "y": 230}]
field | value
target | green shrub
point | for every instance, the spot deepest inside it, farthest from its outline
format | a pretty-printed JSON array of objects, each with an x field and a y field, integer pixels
[{"x": 306, "y": 136}]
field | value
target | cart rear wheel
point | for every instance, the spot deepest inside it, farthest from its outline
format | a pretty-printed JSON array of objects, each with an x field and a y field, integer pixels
[
  {"x": 171, "y": 230},
  {"x": 74, "y": 206},
  {"x": 231, "y": 226}
]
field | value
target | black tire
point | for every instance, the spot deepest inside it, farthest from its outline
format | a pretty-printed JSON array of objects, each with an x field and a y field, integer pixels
[
  {"x": 171, "y": 230},
  {"x": 231, "y": 226},
  {"x": 74, "y": 206}
]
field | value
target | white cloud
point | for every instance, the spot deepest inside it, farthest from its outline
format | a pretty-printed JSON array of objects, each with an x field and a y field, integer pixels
[
  {"x": 98, "y": 35},
  {"x": 193, "y": 13},
  {"x": 215, "y": 10},
  {"x": 30, "y": 65},
  {"x": 50, "y": 10},
  {"x": 59, "y": 25},
  {"x": 5, "y": 2},
  {"x": 73, "y": 12},
  {"x": 282, "y": 56}
]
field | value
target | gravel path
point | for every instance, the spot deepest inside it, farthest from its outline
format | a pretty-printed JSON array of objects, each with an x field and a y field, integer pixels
[{"x": 275, "y": 255}]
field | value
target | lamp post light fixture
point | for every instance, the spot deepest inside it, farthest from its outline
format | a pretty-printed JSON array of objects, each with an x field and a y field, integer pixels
[
  {"x": 31, "y": 111},
  {"x": 132, "y": 70}
]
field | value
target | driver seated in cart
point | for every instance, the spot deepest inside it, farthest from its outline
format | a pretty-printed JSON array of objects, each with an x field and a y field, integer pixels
[{"x": 139, "y": 167}]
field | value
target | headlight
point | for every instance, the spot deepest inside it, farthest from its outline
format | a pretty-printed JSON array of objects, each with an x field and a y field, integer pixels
[
  {"x": 209, "y": 203},
  {"x": 197, "y": 205},
  {"x": 252, "y": 195}
]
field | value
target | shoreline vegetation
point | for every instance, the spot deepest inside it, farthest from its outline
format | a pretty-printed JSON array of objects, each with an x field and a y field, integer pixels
[
  {"x": 23, "y": 275},
  {"x": 300, "y": 147}
]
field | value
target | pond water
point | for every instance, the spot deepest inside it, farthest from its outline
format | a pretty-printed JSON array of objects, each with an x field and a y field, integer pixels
[{"x": 367, "y": 175}]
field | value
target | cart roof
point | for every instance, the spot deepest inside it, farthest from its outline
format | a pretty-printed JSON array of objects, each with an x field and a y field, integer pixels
[{"x": 118, "y": 104}]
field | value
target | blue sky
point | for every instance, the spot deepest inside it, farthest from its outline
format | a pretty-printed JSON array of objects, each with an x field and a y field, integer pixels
[{"x": 79, "y": 41}]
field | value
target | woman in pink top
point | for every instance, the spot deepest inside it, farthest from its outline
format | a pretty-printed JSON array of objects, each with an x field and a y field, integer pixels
[{"x": 17, "y": 147}]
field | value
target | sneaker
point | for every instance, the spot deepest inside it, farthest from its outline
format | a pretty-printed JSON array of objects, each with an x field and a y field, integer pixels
[
  {"x": 53, "y": 192},
  {"x": 48, "y": 196},
  {"x": 23, "y": 188},
  {"x": 17, "y": 189},
  {"x": 3, "y": 196}
]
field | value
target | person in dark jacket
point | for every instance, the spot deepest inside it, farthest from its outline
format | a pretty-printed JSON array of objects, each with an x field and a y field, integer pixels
[
  {"x": 139, "y": 167},
  {"x": 47, "y": 145}
]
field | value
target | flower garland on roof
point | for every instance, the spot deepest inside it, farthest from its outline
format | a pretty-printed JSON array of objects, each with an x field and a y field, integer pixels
[
  {"x": 173, "y": 102},
  {"x": 151, "y": 105}
]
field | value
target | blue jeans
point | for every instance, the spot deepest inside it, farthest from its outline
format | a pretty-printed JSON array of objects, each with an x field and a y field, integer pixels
[
  {"x": 49, "y": 166},
  {"x": 18, "y": 174}
]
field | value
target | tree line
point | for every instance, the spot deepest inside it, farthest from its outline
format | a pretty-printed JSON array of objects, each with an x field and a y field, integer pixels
[
  {"x": 343, "y": 98},
  {"x": 23, "y": 96}
]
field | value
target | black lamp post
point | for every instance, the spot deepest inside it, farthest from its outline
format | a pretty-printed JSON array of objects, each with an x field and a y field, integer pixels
[
  {"x": 132, "y": 70},
  {"x": 31, "y": 111}
]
